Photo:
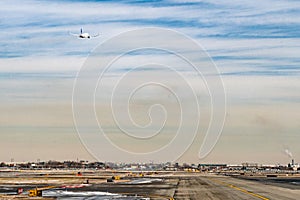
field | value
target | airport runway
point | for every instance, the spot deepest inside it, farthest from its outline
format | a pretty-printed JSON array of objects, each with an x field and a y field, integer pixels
[
  {"x": 162, "y": 185},
  {"x": 219, "y": 187}
]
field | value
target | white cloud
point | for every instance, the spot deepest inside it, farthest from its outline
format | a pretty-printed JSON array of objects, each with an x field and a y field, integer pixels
[{"x": 243, "y": 36}]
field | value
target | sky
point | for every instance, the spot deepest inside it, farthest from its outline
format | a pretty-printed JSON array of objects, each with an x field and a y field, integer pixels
[{"x": 255, "y": 46}]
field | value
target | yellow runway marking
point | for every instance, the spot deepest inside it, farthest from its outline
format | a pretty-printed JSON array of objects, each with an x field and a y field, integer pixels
[{"x": 241, "y": 189}]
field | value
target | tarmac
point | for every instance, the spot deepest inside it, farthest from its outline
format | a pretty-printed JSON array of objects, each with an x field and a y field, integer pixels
[
  {"x": 223, "y": 187},
  {"x": 159, "y": 185}
]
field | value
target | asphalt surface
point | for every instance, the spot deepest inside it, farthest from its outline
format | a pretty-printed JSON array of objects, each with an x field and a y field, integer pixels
[
  {"x": 164, "y": 185},
  {"x": 219, "y": 187}
]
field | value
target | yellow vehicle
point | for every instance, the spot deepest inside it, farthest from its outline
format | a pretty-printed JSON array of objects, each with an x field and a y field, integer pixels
[
  {"x": 116, "y": 178},
  {"x": 38, "y": 192}
]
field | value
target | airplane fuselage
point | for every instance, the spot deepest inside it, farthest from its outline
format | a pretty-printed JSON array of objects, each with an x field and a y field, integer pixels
[{"x": 84, "y": 35}]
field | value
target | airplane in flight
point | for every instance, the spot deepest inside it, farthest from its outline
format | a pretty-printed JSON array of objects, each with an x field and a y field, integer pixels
[{"x": 83, "y": 35}]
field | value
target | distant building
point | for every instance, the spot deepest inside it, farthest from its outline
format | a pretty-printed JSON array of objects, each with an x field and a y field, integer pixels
[{"x": 211, "y": 167}]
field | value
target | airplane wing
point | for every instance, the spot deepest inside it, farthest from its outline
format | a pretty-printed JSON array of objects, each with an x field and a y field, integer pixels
[
  {"x": 74, "y": 34},
  {"x": 97, "y": 35}
]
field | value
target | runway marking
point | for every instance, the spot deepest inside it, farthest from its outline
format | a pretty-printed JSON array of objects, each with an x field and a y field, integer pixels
[{"x": 241, "y": 189}]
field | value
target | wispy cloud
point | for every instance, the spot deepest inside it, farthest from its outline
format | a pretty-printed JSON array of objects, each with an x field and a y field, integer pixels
[
  {"x": 39, "y": 28},
  {"x": 255, "y": 45}
]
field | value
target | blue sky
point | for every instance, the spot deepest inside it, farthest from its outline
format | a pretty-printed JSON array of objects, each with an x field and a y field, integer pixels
[
  {"x": 256, "y": 46},
  {"x": 263, "y": 37}
]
